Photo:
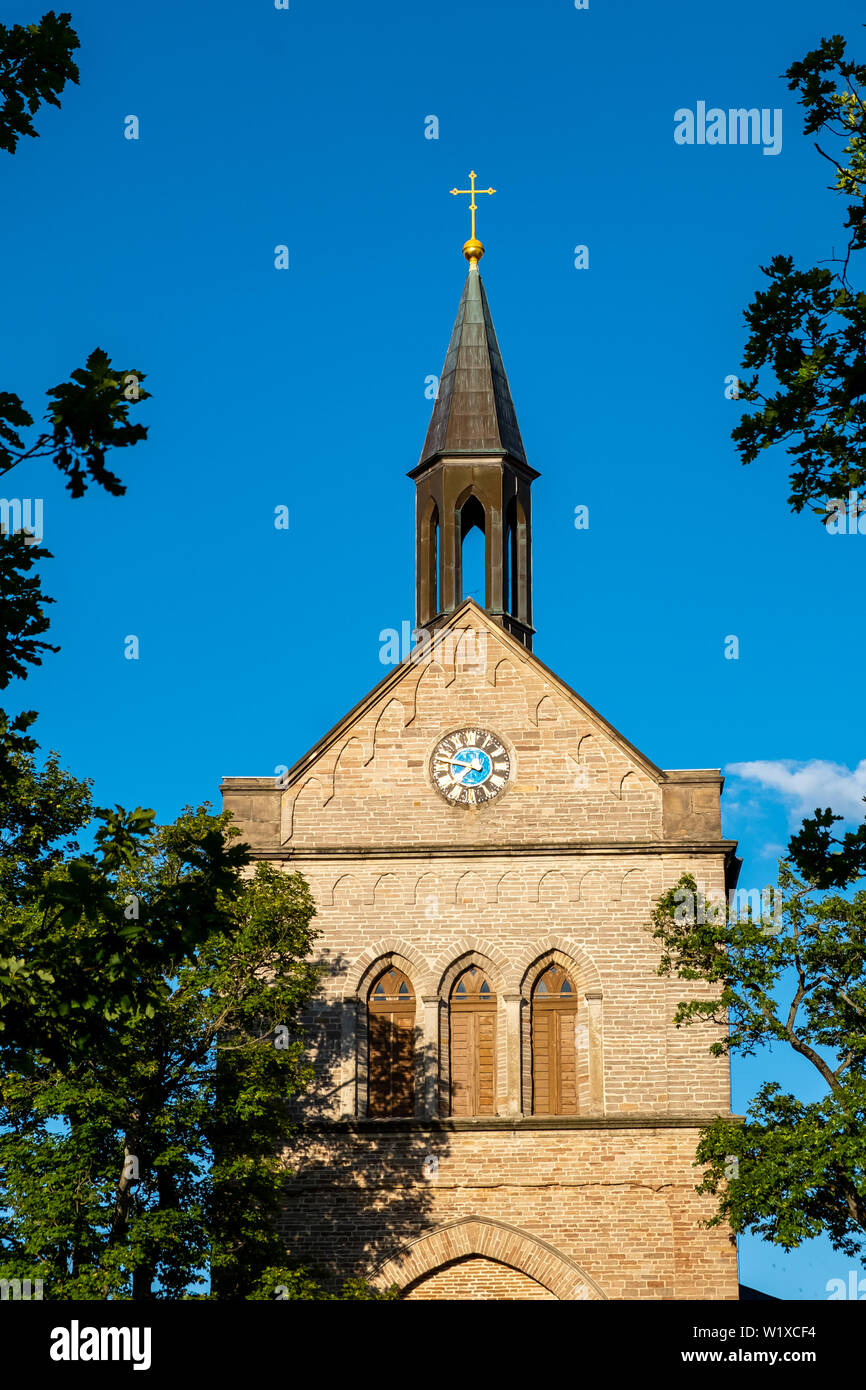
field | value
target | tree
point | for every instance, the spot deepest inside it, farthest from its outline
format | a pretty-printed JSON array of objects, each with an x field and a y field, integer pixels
[
  {"x": 807, "y": 328},
  {"x": 87, "y": 415},
  {"x": 137, "y": 973},
  {"x": 131, "y": 1165},
  {"x": 793, "y": 977},
  {"x": 35, "y": 65}
]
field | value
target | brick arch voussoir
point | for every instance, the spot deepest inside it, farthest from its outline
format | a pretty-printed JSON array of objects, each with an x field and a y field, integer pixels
[
  {"x": 474, "y": 951},
  {"x": 396, "y": 951},
  {"x": 567, "y": 953},
  {"x": 493, "y": 1240}
]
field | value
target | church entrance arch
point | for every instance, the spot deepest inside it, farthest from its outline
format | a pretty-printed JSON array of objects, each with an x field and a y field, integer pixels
[{"x": 493, "y": 1242}]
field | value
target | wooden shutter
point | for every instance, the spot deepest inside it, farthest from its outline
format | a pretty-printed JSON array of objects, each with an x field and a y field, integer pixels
[
  {"x": 554, "y": 1062},
  {"x": 473, "y": 1045},
  {"x": 391, "y": 1046}
]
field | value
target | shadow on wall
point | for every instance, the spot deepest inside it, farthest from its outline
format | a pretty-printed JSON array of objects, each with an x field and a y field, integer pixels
[{"x": 358, "y": 1189}]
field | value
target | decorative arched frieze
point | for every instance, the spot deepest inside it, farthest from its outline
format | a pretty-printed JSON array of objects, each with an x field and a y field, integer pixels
[
  {"x": 635, "y": 885},
  {"x": 471, "y": 890},
  {"x": 429, "y": 688},
  {"x": 628, "y": 784},
  {"x": 554, "y": 888},
  {"x": 315, "y": 792},
  {"x": 389, "y": 726},
  {"x": 505, "y": 674},
  {"x": 387, "y": 891},
  {"x": 349, "y": 891},
  {"x": 350, "y": 764},
  {"x": 596, "y": 888},
  {"x": 512, "y": 887}
]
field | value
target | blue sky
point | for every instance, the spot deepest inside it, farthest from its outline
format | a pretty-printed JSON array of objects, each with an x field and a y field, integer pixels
[{"x": 306, "y": 387}]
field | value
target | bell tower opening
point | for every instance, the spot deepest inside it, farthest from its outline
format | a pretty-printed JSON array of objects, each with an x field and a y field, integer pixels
[{"x": 473, "y": 553}]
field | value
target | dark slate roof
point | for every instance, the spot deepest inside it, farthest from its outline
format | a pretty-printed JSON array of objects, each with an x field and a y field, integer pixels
[{"x": 474, "y": 411}]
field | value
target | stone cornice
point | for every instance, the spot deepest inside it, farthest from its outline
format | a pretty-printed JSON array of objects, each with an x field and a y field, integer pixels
[
  {"x": 347, "y": 1124},
  {"x": 524, "y": 850}
]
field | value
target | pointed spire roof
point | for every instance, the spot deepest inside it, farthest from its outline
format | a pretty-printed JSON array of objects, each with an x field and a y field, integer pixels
[{"x": 474, "y": 412}]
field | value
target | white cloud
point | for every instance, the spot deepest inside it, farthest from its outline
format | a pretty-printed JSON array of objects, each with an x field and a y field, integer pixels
[{"x": 804, "y": 786}]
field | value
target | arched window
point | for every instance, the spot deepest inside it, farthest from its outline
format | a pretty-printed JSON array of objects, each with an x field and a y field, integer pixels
[
  {"x": 473, "y": 1044},
  {"x": 554, "y": 1069},
  {"x": 510, "y": 585},
  {"x": 472, "y": 552},
  {"x": 433, "y": 562},
  {"x": 391, "y": 1034}
]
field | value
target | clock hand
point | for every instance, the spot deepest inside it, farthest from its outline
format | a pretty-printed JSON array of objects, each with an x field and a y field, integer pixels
[{"x": 465, "y": 769}]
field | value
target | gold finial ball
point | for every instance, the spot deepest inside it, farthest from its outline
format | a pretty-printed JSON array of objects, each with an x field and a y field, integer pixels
[{"x": 473, "y": 250}]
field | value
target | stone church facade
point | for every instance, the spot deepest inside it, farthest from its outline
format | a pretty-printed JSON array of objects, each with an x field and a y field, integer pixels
[{"x": 502, "y": 1108}]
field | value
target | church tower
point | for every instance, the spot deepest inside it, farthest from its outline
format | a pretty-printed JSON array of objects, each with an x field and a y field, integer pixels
[
  {"x": 502, "y": 1107},
  {"x": 473, "y": 472}
]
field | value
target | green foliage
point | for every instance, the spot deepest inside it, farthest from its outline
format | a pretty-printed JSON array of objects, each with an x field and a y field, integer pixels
[
  {"x": 89, "y": 414},
  {"x": 796, "y": 978},
  {"x": 35, "y": 65},
  {"x": 146, "y": 1061},
  {"x": 812, "y": 852},
  {"x": 22, "y": 608},
  {"x": 793, "y": 1170},
  {"x": 807, "y": 330}
]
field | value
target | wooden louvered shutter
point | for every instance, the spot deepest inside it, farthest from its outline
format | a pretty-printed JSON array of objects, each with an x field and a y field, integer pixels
[
  {"x": 391, "y": 1046},
  {"x": 473, "y": 1045},
  {"x": 542, "y": 1062},
  {"x": 554, "y": 1062},
  {"x": 462, "y": 1063}
]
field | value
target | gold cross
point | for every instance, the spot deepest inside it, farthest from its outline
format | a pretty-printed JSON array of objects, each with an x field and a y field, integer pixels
[{"x": 473, "y": 205}]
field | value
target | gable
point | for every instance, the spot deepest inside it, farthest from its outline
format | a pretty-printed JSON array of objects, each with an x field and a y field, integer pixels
[{"x": 367, "y": 782}]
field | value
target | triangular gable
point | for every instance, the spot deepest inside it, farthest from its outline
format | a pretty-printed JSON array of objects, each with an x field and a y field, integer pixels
[{"x": 515, "y": 649}]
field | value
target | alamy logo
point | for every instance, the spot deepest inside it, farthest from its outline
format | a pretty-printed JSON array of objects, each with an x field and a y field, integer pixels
[
  {"x": 466, "y": 649},
  {"x": 20, "y": 1288},
  {"x": 835, "y": 1288},
  {"x": 76, "y": 1343},
  {"x": 736, "y": 126},
  {"x": 846, "y": 517},
  {"x": 25, "y": 515},
  {"x": 761, "y": 906}
]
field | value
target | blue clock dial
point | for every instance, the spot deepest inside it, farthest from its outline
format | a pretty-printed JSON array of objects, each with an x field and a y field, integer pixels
[
  {"x": 470, "y": 766},
  {"x": 477, "y": 763}
]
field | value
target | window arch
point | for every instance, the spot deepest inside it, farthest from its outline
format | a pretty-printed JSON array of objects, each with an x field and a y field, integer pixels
[
  {"x": 472, "y": 1033},
  {"x": 554, "y": 1056},
  {"x": 391, "y": 1044}
]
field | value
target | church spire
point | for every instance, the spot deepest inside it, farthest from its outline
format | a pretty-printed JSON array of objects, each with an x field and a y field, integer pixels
[
  {"x": 473, "y": 410},
  {"x": 473, "y": 471}
]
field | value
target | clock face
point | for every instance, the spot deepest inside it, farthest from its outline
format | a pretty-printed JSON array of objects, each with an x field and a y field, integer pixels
[{"x": 470, "y": 767}]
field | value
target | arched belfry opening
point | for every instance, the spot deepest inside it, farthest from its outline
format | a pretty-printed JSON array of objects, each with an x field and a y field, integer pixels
[
  {"x": 473, "y": 481},
  {"x": 428, "y": 579},
  {"x": 472, "y": 552}
]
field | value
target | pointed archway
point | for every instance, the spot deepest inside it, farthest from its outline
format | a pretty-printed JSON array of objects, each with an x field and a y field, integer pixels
[{"x": 494, "y": 1241}]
